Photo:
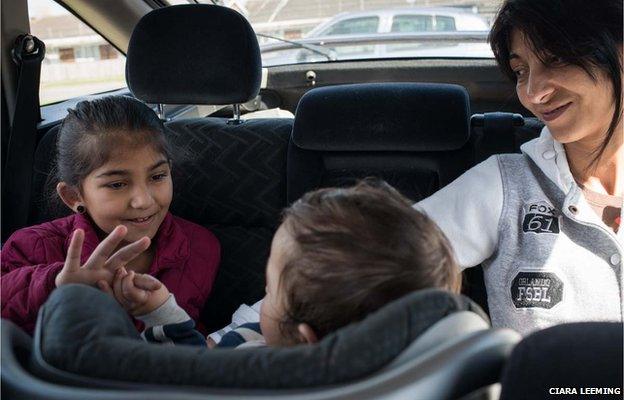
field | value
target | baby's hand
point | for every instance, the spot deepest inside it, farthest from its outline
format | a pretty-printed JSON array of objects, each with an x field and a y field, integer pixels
[{"x": 139, "y": 294}]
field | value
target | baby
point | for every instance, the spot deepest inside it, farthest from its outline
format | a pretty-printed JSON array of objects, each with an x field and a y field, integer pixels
[{"x": 339, "y": 255}]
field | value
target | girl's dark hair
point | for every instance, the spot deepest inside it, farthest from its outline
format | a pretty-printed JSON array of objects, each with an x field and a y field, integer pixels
[
  {"x": 91, "y": 131},
  {"x": 355, "y": 250},
  {"x": 576, "y": 32}
]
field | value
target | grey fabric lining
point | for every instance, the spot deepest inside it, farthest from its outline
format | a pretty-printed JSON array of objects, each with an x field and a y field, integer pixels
[
  {"x": 83, "y": 331},
  {"x": 454, "y": 326}
]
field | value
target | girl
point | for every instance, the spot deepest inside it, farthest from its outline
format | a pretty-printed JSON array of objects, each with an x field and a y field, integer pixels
[
  {"x": 339, "y": 255},
  {"x": 114, "y": 172},
  {"x": 546, "y": 224}
]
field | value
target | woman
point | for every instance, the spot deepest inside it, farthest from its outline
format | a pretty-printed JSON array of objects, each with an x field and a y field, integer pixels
[{"x": 545, "y": 224}]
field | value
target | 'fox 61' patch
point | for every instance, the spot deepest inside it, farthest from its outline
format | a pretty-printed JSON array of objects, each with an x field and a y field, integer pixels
[
  {"x": 540, "y": 217},
  {"x": 536, "y": 289}
]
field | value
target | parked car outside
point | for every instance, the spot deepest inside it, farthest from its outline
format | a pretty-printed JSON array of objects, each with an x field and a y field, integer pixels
[
  {"x": 388, "y": 33},
  {"x": 400, "y": 20}
]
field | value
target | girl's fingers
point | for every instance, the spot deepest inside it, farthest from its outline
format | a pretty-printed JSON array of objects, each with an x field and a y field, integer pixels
[
  {"x": 103, "y": 251},
  {"x": 133, "y": 294},
  {"x": 127, "y": 253},
  {"x": 146, "y": 282},
  {"x": 72, "y": 260}
]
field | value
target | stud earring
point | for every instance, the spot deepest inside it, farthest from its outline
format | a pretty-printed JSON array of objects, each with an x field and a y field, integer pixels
[{"x": 81, "y": 209}]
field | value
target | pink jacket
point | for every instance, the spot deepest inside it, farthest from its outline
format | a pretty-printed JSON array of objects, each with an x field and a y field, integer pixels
[{"x": 186, "y": 262}]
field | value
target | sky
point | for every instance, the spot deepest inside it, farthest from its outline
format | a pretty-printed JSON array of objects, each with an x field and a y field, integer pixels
[{"x": 44, "y": 8}]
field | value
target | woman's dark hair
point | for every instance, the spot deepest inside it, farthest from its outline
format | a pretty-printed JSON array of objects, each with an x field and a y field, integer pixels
[
  {"x": 94, "y": 129},
  {"x": 575, "y": 32},
  {"x": 354, "y": 251}
]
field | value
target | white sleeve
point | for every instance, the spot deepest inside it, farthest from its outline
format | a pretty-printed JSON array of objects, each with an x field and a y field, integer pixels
[
  {"x": 167, "y": 313},
  {"x": 243, "y": 315},
  {"x": 468, "y": 211}
]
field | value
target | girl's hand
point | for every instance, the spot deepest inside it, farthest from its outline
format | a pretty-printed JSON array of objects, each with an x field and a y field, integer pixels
[
  {"x": 101, "y": 266},
  {"x": 139, "y": 294}
]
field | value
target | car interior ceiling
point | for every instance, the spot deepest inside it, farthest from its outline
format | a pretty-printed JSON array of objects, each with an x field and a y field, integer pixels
[{"x": 243, "y": 212}]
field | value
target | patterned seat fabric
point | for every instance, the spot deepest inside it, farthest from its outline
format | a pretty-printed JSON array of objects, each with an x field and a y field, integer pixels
[{"x": 232, "y": 179}]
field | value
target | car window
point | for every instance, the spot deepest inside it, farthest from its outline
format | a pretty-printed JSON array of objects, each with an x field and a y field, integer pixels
[
  {"x": 354, "y": 26},
  {"x": 302, "y": 31},
  {"x": 444, "y": 23},
  {"x": 412, "y": 23},
  {"x": 422, "y": 23},
  {"x": 78, "y": 61}
]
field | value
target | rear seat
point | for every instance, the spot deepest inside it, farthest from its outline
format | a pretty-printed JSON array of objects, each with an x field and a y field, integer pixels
[
  {"x": 237, "y": 187},
  {"x": 415, "y": 136},
  {"x": 501, "y": 132}
]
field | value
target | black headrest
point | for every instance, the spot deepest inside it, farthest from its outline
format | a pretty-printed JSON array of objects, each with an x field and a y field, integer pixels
[
  {"x": 574, "y": 355},
  {"x": 383, "y": 117},
  {"x": 194, "y": 54}
]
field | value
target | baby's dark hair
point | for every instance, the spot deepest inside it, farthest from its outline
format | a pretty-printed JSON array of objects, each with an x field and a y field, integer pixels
[
  {"x": 94, "y": 129},
  {"x": 575, "y": 32},
  {"x": 355, "y": 250}
]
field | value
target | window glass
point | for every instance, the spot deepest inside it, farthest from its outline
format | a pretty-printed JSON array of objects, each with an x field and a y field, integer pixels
[
  {"x": 444, "y": 23},
  {"x": 354, "y": 26},
  {"x": 78, "y": 60},
  {"x": 412, "y": 23}
]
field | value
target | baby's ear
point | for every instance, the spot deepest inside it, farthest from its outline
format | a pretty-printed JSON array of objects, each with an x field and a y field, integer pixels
[
  {"x": 307, "y": 334},
  {"x": 69, "y": 194}
]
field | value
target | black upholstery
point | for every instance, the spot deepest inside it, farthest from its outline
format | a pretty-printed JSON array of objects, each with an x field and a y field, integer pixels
[
  {"x": 500, "y": 133},
  {"x": 84, "y": 331},
  {"x": 234, "y": 182},
  {"x": 193, "y": 54},
  {"x": 45, "y": 204},
  {"x": 414, "y": 136},
  {"x": 573, "y": 356},
  {"x": 403, "y": 117}
]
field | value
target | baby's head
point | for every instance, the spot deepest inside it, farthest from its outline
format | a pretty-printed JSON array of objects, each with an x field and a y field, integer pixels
[
  {"x": 113, "y": 164},
  {"x": 341, "y": 254}
]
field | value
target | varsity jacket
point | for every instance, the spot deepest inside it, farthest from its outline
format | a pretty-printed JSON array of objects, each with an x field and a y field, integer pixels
[{"x": 547, "y": 257}]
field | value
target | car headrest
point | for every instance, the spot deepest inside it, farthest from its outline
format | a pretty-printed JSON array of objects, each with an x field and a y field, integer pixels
[
  {"x": 83, "y": 331},
  {"x": 383, "y": 117},
  {"x": 193, "y": 54},
  {"x": 561, "y": 356}
]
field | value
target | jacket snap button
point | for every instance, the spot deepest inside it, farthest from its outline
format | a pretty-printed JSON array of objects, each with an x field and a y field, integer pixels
[
  {"x": 573, "y": 209},
  {"x": 548, "y": 154},
  {"x": 615, "y": 259}
]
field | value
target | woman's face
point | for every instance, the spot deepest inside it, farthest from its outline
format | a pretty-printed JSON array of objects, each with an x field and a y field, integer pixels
[
  {"x": 133, "y": 188},
  {"x": 574, "y": 107}
]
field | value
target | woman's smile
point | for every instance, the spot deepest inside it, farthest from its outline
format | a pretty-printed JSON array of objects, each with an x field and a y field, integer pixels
[{"x": 554, "y": 113}]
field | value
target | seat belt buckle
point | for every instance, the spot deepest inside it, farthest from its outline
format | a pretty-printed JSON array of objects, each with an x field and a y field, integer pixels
[{"x": 27, "y": 47}]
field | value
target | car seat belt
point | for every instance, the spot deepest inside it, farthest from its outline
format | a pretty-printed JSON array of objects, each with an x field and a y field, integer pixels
[
  {"x": 498, "y": 133},
  {"x": 28, "y": 52}
]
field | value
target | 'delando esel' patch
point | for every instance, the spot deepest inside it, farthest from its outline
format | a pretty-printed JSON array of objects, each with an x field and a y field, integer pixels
[
  {"x": 540, "y": 217},
  {"x": 536, "y": 289}
]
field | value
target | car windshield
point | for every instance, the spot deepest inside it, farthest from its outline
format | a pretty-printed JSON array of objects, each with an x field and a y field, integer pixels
[{"x": 298, "y": 31}]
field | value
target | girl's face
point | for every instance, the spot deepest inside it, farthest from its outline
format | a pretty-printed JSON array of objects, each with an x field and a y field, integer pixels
[
  {"x": 133, "y": 188},
  {"x": 574, "y": 107}
]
